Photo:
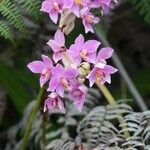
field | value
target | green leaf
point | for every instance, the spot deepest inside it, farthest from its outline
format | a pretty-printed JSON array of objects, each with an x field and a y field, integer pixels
[{"x": 14, "y": 88}]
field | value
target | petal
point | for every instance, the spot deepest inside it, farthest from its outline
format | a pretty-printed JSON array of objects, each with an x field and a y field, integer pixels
[
  {"x": 79, "y": 40},
  {"x": 92, "y": 45},
  {"x": 91, "y": 58},
  {"x": 36, "y": 66},
  {"x": 70, "y": 73},
  {"x": 79, "y": 103},
  {"x": 53, "y": 84},
  {"x": 77, "y": 60},
  {"x": 107, "y": 78},
  {"x": 58, "y": 70},
  {"x": 54, "y": 16},
  {"x": 105, "y": 53},
  {"x": 59, "y": 38},
  {"x": 92, "y": 77},
  {"x": 88, "y": 27},
  {"x": 109, "y": 69},
  {"x": 100, "y": 65},
  {"x": 61, "y": 106},
  {"x": 83, "y": 88},
  {"x": 74, "y": 51},
  {"x": 55, "y": 47},
  {"x": 84, "y": 11},
  {"x": 57, "y": 56},
  {"x": 46, "y": 6},
  {"x": 47, "y": 104},
  {"x": 47, "y": 61},
  {"x": 75, "y": 9},
  {"x": 43, "y": 80},
  {"x": 67, "y": 3},
  {"x": 60, "y": 90}
]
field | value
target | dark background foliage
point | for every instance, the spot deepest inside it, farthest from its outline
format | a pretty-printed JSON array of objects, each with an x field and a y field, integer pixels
[{"x": 24, "y": 39}]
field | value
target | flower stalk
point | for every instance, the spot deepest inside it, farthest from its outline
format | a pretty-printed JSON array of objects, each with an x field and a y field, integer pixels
[
  {"x": 111, "y": 101},
  {"x": 31, "y": 118}
]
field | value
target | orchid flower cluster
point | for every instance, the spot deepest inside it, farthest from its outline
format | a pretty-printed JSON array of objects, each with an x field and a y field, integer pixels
[
  {"x": 69, "y": 68},
  {"x": 80, "y": 8}
]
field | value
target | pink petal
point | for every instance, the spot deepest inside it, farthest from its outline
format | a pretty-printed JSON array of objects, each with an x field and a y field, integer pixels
[
  {"x": 91, "y": 45},
  {"x": 61, "y": 106},
  {"x": 91, "y": 58},
  {"x": 79, "y": 40},
  {"x": 59, "y": 38},
  {"x": 46, "y": 6},
  {"x": 105, "y": 53},
  {"x": 57, "y": 56},
  {"x": 73, "y": 50},
  {"x": 43, "y": 80},
  {"x": 110, "y": 69},
  {"x": 53, "y": 84},
  {"x": 58, "y": 70},
  {"x": 84, "y": 11},
  {"x": 47, "y": 61},
  {"x": 53, "y": 45},
  {"x": 100, "y": 65},
  {"x": 70, "y": 73},
  {"x": 92, "y": 77},
  {"x": 67, "y": 3},
  {"x": 77, "y": 60},
  {"x": 79, "y": 104},
  {"x": 107, "y": 78},
  {"x": 36, "y": 66},
  {"x": 54, "y": 16},
  {"x": 60, "y": 90},
  {"x": 88, "y": 27},
  {"x": 75, "y": 9},
  {"x": 83, "y": 88}
]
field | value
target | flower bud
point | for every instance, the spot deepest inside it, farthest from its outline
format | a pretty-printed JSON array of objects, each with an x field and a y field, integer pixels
[{"x": 86, "y": 67}]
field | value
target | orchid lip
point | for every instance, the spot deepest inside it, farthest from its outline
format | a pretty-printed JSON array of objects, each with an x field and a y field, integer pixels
[
  {"x": 46, "y": 73},
  {"x": 65, "y": 83},
  {"x": 84, "y": 53},
  {"x": 56, "y": 6}
]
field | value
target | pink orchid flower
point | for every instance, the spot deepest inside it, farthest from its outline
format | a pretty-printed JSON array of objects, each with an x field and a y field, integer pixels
[
  {"x": 57, "y": 45},
  {"x": 61, "y": 79},
  {"x": 84, "y": 50},
  {"x": 77, "y": 95},
  {"x": 44, "y": 68},
  {"x": 53, "y": 7},
  {"x": 88, "y": 19},
  {"x": 54, "y": 104},
  {"x": 101, "y": 71},
  {"x": 75, "y": 5}
]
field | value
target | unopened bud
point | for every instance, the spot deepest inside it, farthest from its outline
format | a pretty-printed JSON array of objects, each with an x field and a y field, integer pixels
[{"x": 82, "y": 72}]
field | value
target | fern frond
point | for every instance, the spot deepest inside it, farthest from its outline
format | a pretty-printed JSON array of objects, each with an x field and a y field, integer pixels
[
  {"x": 144, "y": 8},
  {"x": 138, "y": 124},
  {"x": 97, "y": 127},
  {"x": 61, "y": 145},
  {"x": 31, "y": 6},
  {"x": 12, "y": 14},
  {"x": 5, "y": 31}
]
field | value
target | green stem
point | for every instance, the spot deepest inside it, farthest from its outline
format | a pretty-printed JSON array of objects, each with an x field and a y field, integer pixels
[
  {"x": 111, "y": 101},
  {"x": 31, "y": 118}
]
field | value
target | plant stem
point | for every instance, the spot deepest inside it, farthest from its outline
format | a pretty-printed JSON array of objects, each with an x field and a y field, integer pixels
[
  {"x": 31, "y": 118},
  {"x": 106, "y": 93},
  {"x": 111, "y": 101},
  {"x": 123, "y": 72}
]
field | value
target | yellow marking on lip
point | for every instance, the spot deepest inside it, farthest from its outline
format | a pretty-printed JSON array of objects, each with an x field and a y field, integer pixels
[{"x": 78, "y": 2}]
